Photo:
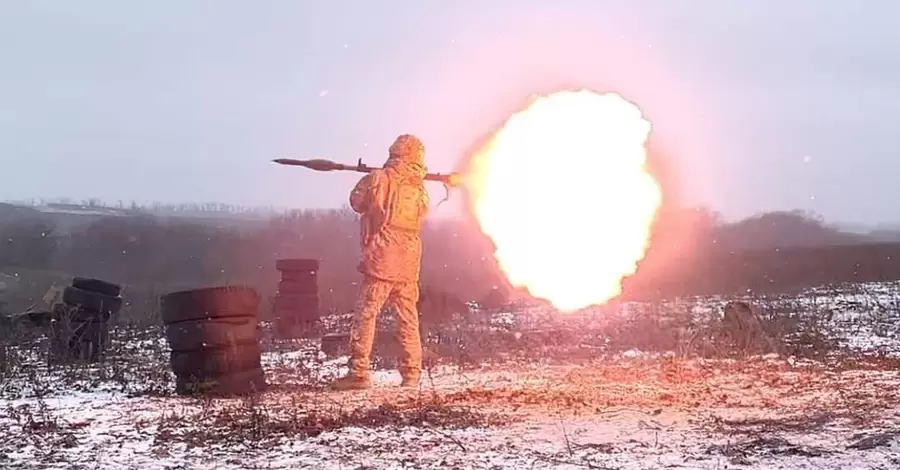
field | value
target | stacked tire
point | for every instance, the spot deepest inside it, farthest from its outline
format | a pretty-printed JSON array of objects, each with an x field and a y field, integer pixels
[
  {"x": 295, "y": 312},
  {"x": 213, "y": 334},
  {"x": 335, "y": 344},
  {"x": 80, "y": 323}
]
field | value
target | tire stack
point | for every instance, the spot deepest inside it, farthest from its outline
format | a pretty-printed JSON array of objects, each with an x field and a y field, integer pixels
[
  {"x": 336, "y": 344},
  {"x": 213, "y": 334},
  {"x": 295, "y": 312},
  {"x": 79, "y": 329}
]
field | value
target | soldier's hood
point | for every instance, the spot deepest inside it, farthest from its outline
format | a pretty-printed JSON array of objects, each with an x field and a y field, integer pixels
[{"x": 407, "y": 168}]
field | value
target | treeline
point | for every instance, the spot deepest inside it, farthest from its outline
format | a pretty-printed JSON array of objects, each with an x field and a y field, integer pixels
[
  {"x": 155, "y": 207},
  {"x": 695, "y": 252},
  {"x": 167, "y": 253}
]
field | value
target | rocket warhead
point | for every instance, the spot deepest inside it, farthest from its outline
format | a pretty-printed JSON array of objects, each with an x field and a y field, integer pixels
[{"x": 315, "y": 164}]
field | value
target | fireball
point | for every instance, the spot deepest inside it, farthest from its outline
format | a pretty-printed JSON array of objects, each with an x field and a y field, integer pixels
[{"x": 562, "y": 191}]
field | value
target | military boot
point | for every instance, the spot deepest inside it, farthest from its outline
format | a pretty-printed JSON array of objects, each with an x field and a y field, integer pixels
[
  {"x": 410, "y": 381},
  {"x": 352, "y": 382}
]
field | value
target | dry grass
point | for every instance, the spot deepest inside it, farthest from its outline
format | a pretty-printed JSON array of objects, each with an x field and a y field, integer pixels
[{"x": 488, "y": 374}]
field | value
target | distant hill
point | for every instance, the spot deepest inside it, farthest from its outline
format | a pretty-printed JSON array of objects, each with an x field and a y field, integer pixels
[
  {"x": 784, "y": 229},
  {"x": 72, "y": 217},
  {"x": 885, "y": 235},
  {"x": 772, "y": 229},
  {"x": 876, "y": 233},
  {"x": 11, "y": 213}
]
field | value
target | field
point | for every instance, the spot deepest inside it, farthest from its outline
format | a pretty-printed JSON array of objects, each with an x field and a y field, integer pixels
[{"x": 628, "y": 386}]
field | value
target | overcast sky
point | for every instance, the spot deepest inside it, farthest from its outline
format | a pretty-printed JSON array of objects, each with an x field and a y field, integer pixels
[{"x": 759, "y": 104}]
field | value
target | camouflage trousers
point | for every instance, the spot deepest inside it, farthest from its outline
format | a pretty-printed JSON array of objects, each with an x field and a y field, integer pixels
[{"x": 373, "y": 296}]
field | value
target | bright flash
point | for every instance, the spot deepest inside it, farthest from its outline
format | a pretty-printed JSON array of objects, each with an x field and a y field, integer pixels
[{"x": 562, "y": 191}]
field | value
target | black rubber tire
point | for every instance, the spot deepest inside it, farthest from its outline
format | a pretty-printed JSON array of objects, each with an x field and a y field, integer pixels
[
  {"x": 300, "y": 306},
  {"x": 198, "y": 335},
  {"x": 97, "y": 285},
  {"x": 297, "y": 264},
  {"x": 290, "y": 319},
  {"x": 306, "y": 277},
  {"x": 81, "y": 331},
  {"x": 335, "y": 343},
  {"x": 215, "y": 362},
  {"x": 91, "y": 300},
  {"x": 79, "y": 313},
  {"x": 240, "y": 383},
  {"x": 210, "y": 302},
  {"x": 298, "y": 288},
  {"x": 295, "y": 316},
  {"x": 291, "y": 329},
  {"x": 75, "y": 313}
]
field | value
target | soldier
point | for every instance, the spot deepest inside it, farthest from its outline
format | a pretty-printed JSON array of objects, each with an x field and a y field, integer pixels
[{"x": 392, "y": 203}]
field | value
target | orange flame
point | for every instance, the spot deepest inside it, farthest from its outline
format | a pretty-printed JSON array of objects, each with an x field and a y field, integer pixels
[{"x": 562, "y": 191}]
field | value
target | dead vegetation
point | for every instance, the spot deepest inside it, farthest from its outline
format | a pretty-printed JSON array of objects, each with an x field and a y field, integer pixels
[
  {"x": 644, "y": 359},
  {"x": 254, "y": 423},
  {"x": 798, "y": 327},
  {"x": 136, "y": 364}
]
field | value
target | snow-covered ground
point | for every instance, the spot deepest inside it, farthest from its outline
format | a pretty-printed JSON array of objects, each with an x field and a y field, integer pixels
[{"x": 622, "y": 407}]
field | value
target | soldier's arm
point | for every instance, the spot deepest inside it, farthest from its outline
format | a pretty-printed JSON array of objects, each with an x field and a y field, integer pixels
[
  {"x": 423, "y": 204},
  {"x": 378, "y": 189},
  {"x": 360, "y": 196}
]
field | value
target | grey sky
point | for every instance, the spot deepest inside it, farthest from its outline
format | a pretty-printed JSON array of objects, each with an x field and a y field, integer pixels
[{"x": 186, "y": 101}]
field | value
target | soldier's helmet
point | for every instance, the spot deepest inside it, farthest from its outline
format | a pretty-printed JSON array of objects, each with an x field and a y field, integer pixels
[{"x": 407, "y": 147}]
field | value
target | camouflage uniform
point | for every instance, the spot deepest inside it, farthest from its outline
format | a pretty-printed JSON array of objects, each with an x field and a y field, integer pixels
[{"x": 392, "y": 203}]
